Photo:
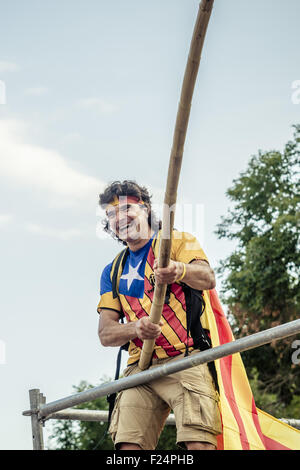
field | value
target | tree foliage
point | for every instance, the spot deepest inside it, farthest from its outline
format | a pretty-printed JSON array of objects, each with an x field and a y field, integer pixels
[{"x": 261, "y": 276}]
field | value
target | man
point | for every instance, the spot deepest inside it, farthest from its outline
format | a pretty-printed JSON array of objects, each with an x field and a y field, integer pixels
[{"x": 140, "y": 413}]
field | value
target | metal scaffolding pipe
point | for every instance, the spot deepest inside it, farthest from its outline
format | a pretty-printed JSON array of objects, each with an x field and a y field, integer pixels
[
  {"x": 295, "y": 423},
  {"x": 92, "y": 415},
  {"x": 102, "y": 415},
  {"x": 237, "y": 346}
]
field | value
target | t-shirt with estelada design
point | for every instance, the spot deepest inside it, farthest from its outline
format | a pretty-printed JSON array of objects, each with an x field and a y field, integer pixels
[{"x": 136, "y": 295}]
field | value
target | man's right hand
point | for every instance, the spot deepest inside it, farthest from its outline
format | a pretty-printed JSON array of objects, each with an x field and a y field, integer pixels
[{"x": 145, "y": 329}]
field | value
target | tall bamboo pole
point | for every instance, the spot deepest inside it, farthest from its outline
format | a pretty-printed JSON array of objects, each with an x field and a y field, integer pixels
[{"x": 182, "y": 119}]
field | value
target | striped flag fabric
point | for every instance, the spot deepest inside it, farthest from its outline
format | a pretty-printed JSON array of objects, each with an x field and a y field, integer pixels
[{"x": 245, "y": 427}]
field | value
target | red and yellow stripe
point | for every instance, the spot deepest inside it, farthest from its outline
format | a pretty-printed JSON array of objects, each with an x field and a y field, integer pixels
[{"x": 245, "y": 427}]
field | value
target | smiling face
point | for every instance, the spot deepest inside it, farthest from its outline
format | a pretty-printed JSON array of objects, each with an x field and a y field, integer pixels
[{"x": 128, "y": 219}]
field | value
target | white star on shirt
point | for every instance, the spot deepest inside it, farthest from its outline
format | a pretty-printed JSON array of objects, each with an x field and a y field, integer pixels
[{"x": 132, "y": 275}]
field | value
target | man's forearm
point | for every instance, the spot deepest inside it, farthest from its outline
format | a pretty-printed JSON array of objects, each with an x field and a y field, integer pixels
[
  {"x": 117, "y": 334},
  {"x": 199, "y": 276},
  {"x": 112, "y": 333}
]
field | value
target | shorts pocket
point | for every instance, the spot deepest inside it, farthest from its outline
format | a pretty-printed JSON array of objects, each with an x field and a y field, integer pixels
[{"x": 200, "y": 407}]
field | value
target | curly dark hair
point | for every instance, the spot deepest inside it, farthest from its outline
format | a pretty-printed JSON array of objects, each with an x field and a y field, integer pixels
[{"x": 127, "y": 188}]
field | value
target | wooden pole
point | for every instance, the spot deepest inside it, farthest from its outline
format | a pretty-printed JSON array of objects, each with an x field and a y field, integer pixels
[{"x": 183, "y": 114}]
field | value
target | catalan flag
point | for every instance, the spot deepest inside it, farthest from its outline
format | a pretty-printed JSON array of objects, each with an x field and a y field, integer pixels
[{"x": 245, "y": 427}]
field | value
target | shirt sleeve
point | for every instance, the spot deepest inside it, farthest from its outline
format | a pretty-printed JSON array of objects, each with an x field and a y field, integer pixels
[
  {"x": 186, "y": 248},
  {"x": 106, "y": 300}
]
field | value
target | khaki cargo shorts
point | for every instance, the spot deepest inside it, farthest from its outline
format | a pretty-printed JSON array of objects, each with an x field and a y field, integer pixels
[{"x": 140, "y": 413}]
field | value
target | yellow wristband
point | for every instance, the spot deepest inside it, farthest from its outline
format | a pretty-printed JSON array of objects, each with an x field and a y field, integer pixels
[{"x": 183, "y": 273}]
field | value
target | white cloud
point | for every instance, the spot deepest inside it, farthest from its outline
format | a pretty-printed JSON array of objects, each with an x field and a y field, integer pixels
[
  {"x": 41, "y": 230},
  {"x": 36, "y": 91},
  {"x": 5, "y": 219},
  {"x": 36, "y": 167},
  {"x": 71, "y": 137},
  {"x": 8, "y": 66},
  {"x": 97, "y": 104},
  {"x": 60, "y": 234}
]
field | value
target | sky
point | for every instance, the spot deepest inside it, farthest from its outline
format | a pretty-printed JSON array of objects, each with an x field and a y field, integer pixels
[{"x": 89, "y": 92}]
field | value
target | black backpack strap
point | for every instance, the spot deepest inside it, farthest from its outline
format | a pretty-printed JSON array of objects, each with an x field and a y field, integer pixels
[
  {"x": 121, "y": 258},
  {"x": 195, "y": 306},
  {"x": 112, "y": 398}
]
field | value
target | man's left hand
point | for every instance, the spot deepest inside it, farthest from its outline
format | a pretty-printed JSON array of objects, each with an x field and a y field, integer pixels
[{"x": 169, "y": 274}]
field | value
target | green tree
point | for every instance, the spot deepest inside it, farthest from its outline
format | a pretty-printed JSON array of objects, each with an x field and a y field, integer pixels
[
  {"x": 81, "y": 435},
  {"x": 88, "y": 435},
  {"x": 261, "y": 276}
]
